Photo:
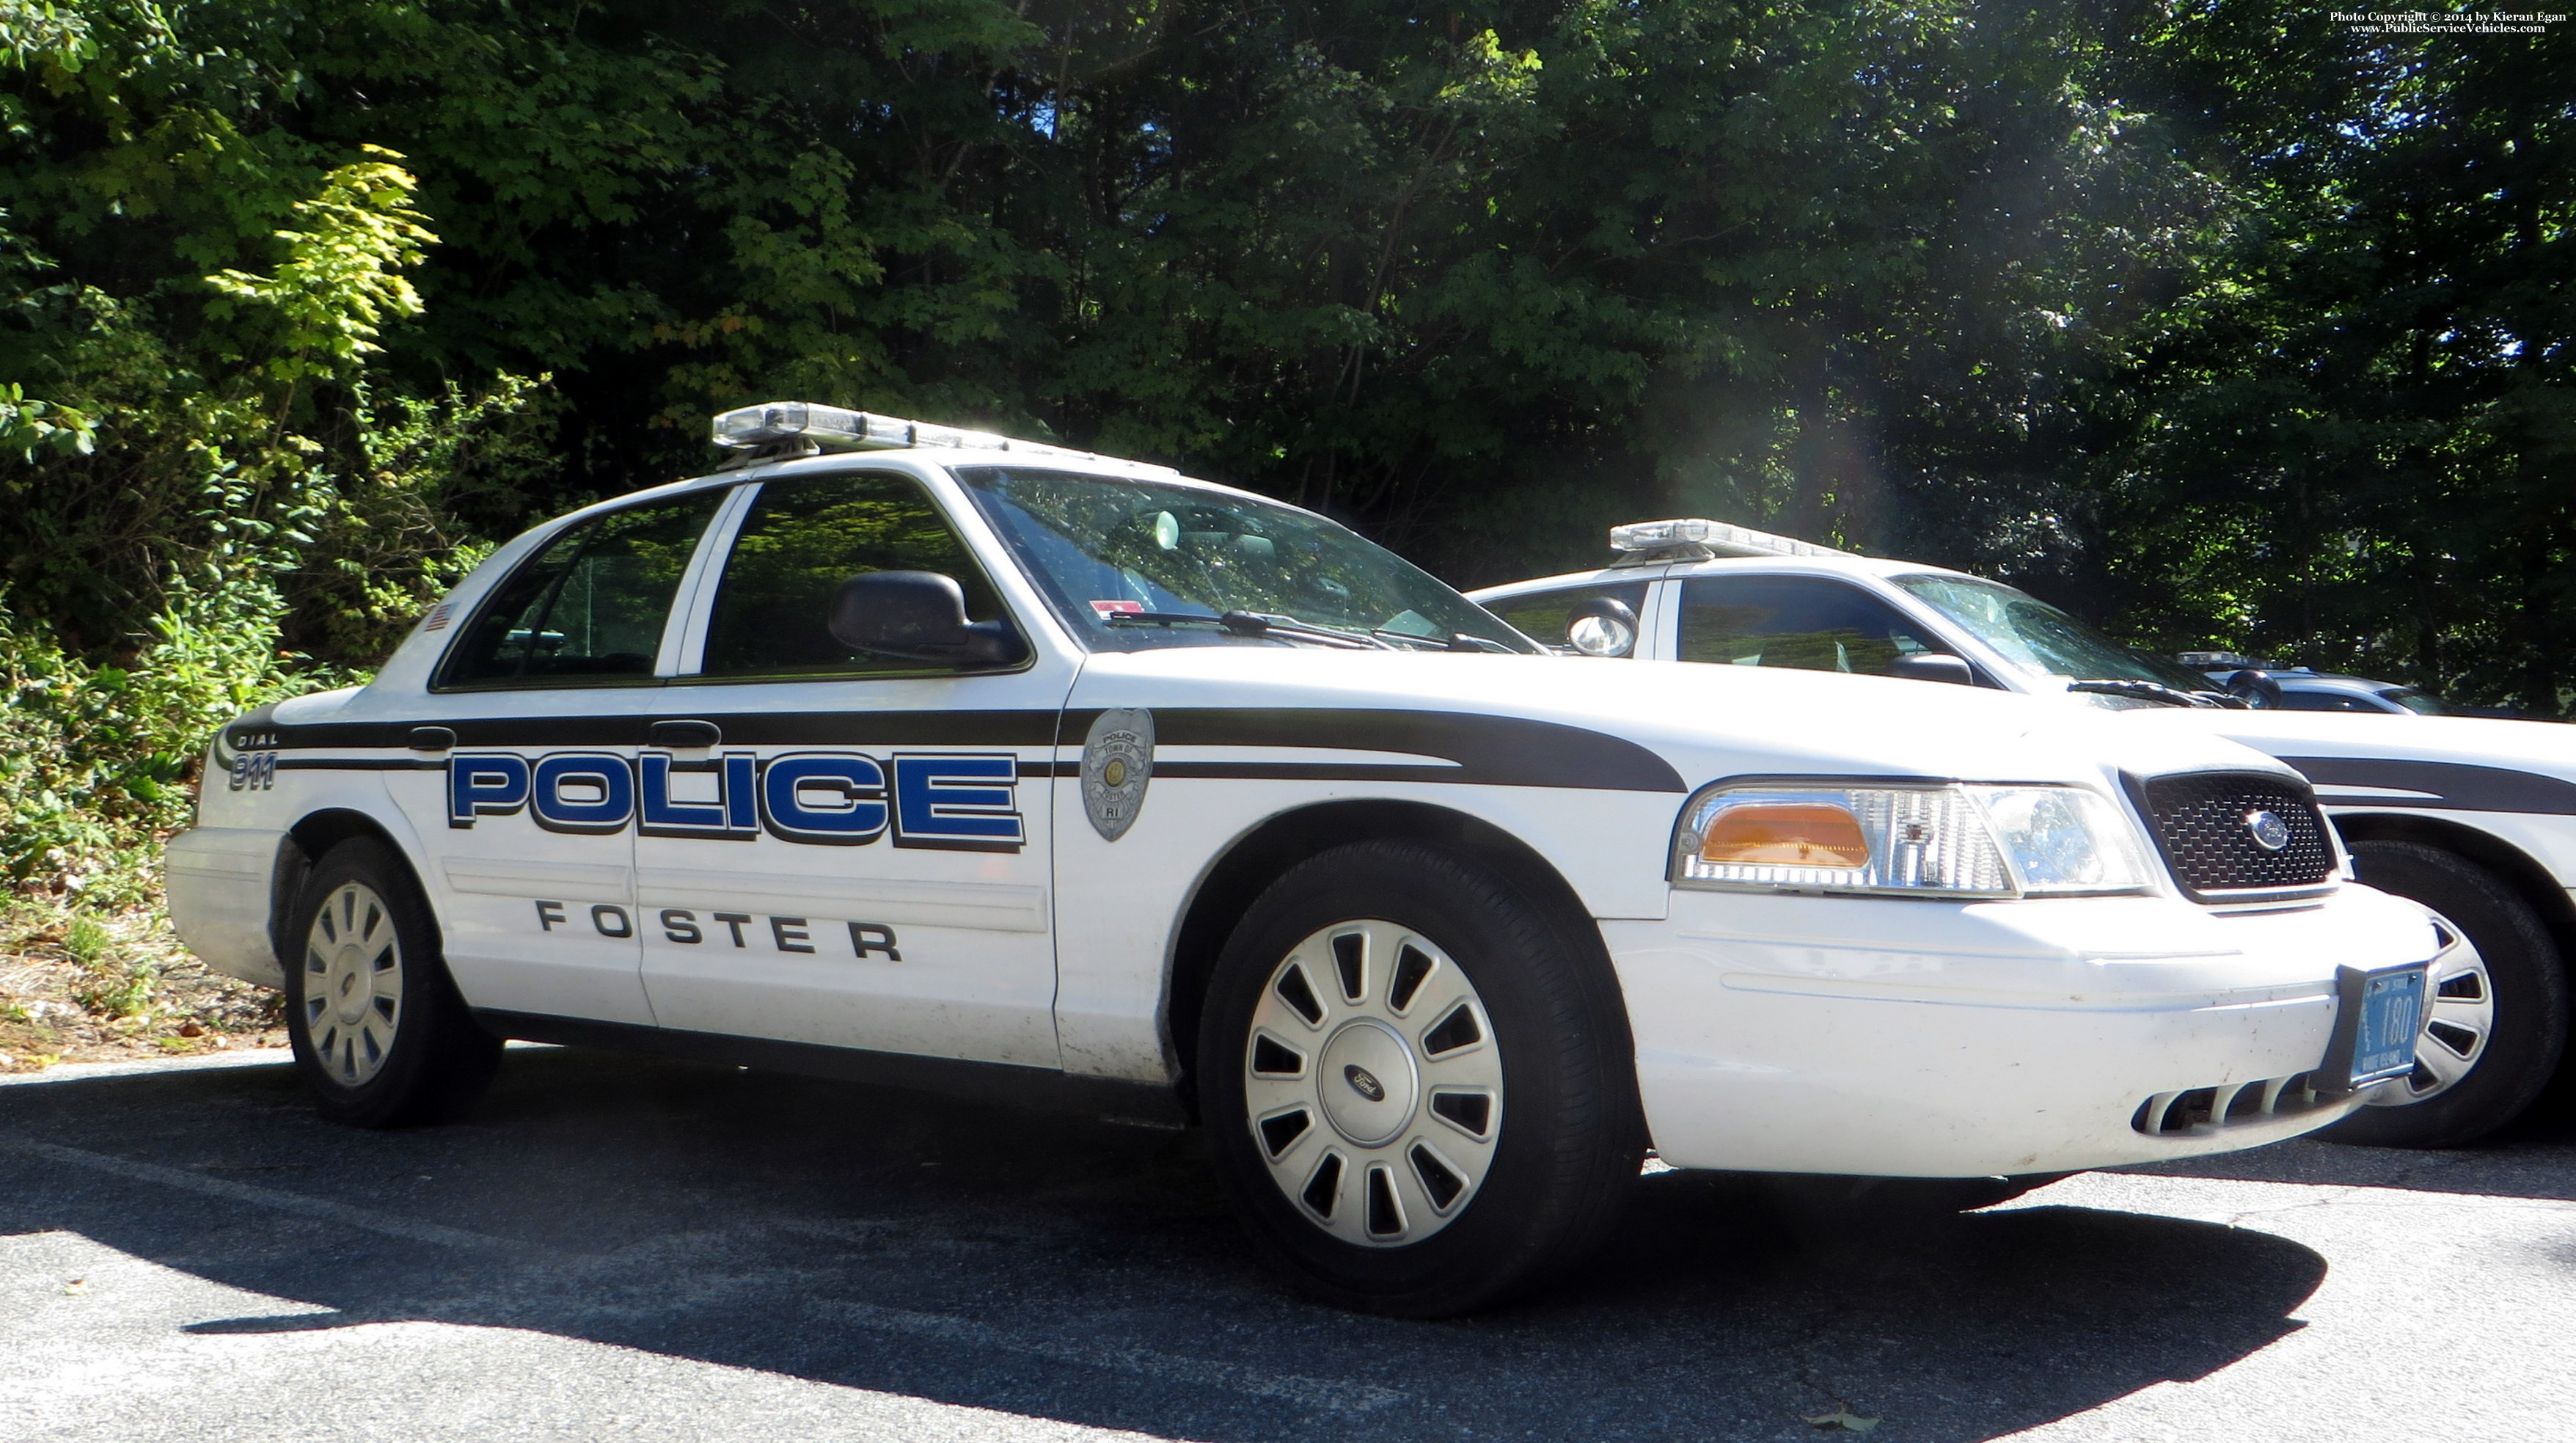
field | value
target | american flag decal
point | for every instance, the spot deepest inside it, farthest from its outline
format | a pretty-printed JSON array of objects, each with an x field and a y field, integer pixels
[{"x": 439, "y": 616}]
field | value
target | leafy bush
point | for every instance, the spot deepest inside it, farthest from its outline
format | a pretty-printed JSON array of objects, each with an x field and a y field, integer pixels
[
  {"x": 96, "y": 761},
  {"x": 210, "y": 480}
]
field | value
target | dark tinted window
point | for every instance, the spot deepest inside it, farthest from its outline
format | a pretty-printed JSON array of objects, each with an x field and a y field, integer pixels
[
  {"x": 588, "y": 608},
  {"x": 801, "y": 540},
  {"x": 1542, "y": 615},
  {"x": 2323, "y": 701},
  {"x": 1794, "y": 621}
]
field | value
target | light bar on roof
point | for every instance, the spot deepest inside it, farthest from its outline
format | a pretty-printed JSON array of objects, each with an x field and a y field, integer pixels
[
  {"x": 1720, "y": 539},
  {"x": 835, "y": 429}
]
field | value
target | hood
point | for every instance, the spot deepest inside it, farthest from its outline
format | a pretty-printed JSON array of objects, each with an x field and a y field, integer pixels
[
  {"x": 2529, "y": 748},
  {"x": 1705, "y": 721}
]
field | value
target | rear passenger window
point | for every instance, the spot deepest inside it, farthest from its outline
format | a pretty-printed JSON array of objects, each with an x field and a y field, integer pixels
[
  {"x": 1795, "y": 621},
  {"x": 1542, "y": 615},
  {"x": 801, "y": 540},
  {"x": 587, "y": 609}
]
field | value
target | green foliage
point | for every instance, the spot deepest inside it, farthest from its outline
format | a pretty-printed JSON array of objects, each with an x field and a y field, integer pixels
[
  {"x": 120, "y": 991},
  {"x": 86, "y": 939},
  {"x": 342, "y": 277},
  {"x": 2351, "y": 436},
  {"x": 96, "y": 761},
  {"x": 2221, "y": 323}
]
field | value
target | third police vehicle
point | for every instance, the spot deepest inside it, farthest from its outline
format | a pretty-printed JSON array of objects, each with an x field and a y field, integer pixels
[
  {"x": 922, "y": 756},
  {"x": 2473, "y": 817}
]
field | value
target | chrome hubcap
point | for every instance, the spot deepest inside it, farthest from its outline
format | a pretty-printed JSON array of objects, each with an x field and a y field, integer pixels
[
  {"x": 2457, "y": 1023},
  {"x": 1373, "y": 1085},
  {"x": 352, "y": 984}
]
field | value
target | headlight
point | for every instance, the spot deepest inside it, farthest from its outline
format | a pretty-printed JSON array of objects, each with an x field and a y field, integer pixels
[{"x": 1933, "y": 840}]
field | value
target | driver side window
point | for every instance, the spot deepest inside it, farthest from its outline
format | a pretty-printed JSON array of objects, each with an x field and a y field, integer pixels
[
  {"x": 799, "y": 542},
  {"x": 1805, "y": 622}
]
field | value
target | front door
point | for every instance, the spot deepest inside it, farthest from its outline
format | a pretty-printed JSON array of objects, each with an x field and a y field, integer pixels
[
  {"x": 527, "y": 827},
  {"x": 1810, "y": 623},
  {"x": 839, "y": 848}
]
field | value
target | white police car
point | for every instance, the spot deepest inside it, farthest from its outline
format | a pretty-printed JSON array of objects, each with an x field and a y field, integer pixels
[
  {"x": 2474, "y": 818},
  {"x": 954, "y": 762}
]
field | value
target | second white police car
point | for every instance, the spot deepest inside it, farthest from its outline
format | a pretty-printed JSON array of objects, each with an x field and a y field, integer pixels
[
  {"x": 2473, "y": 817},
  {"x": 921, "y": 756}
]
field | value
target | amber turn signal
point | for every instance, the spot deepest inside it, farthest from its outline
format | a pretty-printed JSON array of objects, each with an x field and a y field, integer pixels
[{"x": 1787, "y": 834}]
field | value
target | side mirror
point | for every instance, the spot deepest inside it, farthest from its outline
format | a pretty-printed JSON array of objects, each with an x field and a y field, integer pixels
[
  {"x": 1934, "y": 666},
  {"x": 1602, "y": 626},
  {"x": 918, "y": 616},
  {"x": 2255, "y": 688}
]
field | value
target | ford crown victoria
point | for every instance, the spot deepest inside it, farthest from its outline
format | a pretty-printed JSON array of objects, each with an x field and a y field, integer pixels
[
  {"x": 2475, "y": 818},
  {"x": 920, "y": 756}
]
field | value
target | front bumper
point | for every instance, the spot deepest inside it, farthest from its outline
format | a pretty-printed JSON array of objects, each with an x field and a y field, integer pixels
[{"x": 1932, "y": 1039}]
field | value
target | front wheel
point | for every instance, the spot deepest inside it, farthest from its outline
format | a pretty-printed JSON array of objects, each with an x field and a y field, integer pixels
[
  {"x": 2497, "y": 1019},
  {"x": 1417, "y": 1083},
  {"x": 380, "y": 1034}
]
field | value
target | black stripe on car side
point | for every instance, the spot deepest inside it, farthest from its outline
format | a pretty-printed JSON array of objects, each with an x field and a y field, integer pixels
[
  {"x": 2454, "y": 786},
  {"x": 1487, "y": 750},
  {"x": 1315, "y": 772}
]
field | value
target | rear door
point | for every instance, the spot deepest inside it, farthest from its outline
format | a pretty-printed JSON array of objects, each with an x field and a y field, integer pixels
[
  {"x": 527, "y": 826},
  {"x": 839, "y": 848}
]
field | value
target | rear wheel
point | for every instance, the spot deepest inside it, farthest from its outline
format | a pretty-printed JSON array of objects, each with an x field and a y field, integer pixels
[
  {"x": 2498, "y": 1019},
  {"x": 1417, "y": 1086},
  {"x": 379, "y": 1031}
]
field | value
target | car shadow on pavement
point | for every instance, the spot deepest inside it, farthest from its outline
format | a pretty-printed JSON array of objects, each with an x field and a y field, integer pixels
[{"x": 1090, "y": 1273}]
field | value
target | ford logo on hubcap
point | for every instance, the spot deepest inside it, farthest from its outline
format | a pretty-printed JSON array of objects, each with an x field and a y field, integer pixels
[
  {"x": 2270, "y": 832},
  {"x": 1363, "y": 1083}
]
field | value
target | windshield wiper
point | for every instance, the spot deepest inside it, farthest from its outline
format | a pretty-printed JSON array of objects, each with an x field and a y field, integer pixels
[
  {"x": 2144, "y": 690},
  {"x": 1457, "y": 641},
  {"x": 1251, "y": 623}
]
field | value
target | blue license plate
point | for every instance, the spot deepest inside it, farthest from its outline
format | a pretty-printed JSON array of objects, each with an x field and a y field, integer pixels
[{"x": 2392, "y": 1014}]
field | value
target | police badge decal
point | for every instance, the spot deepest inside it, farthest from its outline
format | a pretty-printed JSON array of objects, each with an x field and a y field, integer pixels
[{"x": 1117, "y": 762}]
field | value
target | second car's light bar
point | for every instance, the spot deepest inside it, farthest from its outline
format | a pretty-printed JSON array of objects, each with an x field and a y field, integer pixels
[
  {"x": 832, "y": 428},
  {"x": 1718, "y": 537}
]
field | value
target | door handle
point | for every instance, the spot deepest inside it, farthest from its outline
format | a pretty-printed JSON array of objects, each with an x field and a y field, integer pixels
[{"x": 680, "y": 734}]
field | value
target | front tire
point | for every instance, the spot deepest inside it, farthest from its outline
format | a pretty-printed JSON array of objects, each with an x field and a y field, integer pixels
[
  {"x": 2497, "y": 1023},
  {"x": 380, "y": 1034},
  {"x": 1418, "y": 1083}
]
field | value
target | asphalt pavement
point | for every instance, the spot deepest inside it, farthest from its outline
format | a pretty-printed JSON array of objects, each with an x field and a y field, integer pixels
[{"x": 619, "y": 1247}]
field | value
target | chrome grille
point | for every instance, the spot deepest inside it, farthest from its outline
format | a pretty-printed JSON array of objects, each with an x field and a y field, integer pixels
[{"x": 2205, "y": 824}]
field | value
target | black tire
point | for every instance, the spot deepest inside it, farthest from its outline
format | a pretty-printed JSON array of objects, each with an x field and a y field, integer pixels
[
  {"x": 2529, "y": 1030},
  {"x": 433, "y": 1061},
  {"x": 1569, "y": 1140}
]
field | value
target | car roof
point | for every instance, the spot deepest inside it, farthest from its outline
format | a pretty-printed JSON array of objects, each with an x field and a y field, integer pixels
[{"x": 943, "y": 457}]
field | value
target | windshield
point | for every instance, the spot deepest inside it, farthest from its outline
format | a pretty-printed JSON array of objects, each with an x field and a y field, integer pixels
[
  {"x": 1104, "y": 546},
  {"x": 2037, "y": 635}
]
